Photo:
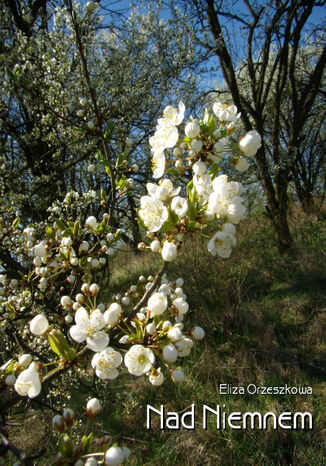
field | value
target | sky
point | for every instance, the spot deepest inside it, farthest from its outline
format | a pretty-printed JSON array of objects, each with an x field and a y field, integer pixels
[{"x": 318, "y": 16}]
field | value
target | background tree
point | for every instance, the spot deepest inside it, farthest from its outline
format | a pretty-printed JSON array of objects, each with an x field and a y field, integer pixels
[
  {"x": 267, "y": 37},
  {"x": 49, "y": 146}
]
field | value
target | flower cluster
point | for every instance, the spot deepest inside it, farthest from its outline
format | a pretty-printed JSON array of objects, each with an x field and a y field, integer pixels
[{"x": 209, "y": 197}]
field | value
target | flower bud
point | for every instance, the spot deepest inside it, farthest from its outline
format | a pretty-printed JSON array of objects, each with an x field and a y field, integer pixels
[
  {"x": 90, "y": 462},
  {"x": 10, "y": 380},
  {"x": 250, "y": 143},
  {"x": 91, "y": 168},
  {"x": 66, "y": 301},
  {"x": 155, "y": 246},
  {"x": 25, "y": 360},
  {"x": 241, "y": 164},
  {"x": 197, "y": 333},
  {"x": 68, "y": 416},
  {"x": 39, "y": 325},
  {"x": 58, "y": 423},
  {"x": 150, "y": 329},
  {"x": 114, "y": 456},
  {"x": 169, "y": 251},
  {"x": 177, "y": 375},
  {"x": 93, "y": 408},
  {"x": 166, "y": 325},
  {"x": 179, "y": 281},
  {"x": 94, "y": 289},
  {"x": 156, "y": 377},
  {"x": 125, "y": 301},
  {"x": 196, "y": 145},
  {"x": 91, "y": 222},
  {"x": 85, "y": 288},
  {"x": 199, "y": 168},
  {"x": 170, "y": 353}
]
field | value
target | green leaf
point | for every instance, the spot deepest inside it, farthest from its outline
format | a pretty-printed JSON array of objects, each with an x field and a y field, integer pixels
[
  {"x": 191, "y": 225},
  {"x": 99, "y": 156},
  {"x": 109, "y": 130},
  {"x": 16, "y": 222},
  {"x": 49, "y": 233},
  {"x": 172, "y": 171},
  {"x": 76, "y": 228},
  {"x": 87, "y": 442},
  {"x": 8, "y": 366},
  {"x": 120, "y": 159},
  {"x": 59, "y": 345},
  {"x": 104, "y": 196},
  {"x": 71, "y": 354},
  {"x": 67, "y": 232},
  {"x": 66, "y": 446},
  {"x": 211, "y": 125},
  {"x": 54, "y": 344},
  {"x": 168, "y": 225},
  {"x": 141, "y": 222},
  {"x": 61, "y": 225},
  {"x": 10, "y": 74},
  {"x": 214, "y": 170},
  {"x": 191, "y": 190},
  {"x": 192, "y": 211}
]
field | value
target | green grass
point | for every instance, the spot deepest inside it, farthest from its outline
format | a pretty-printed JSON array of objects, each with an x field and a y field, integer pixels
[{"x": 265, "y": 322}]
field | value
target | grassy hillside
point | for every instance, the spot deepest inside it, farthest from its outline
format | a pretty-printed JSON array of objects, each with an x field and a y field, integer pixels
[{"x": 265, "y": 322}]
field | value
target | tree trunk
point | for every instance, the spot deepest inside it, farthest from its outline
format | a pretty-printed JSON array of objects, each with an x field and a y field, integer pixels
[
  {"x": 281, "y": 229},
  {"x": 306, "y": 198}
]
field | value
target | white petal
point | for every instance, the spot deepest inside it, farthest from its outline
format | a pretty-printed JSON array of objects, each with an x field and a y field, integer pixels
[
  {"x": 81, "y": 317},
  {"x": 96, "y": 320},
  {"x": 95, "y": 360},
  {"x": 78, "y": 333},
  {"x": 35, "y": 389},
  {"x": 98, "y": 342}
]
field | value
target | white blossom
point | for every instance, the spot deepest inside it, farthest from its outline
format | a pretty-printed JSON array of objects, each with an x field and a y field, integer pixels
[
  {"x": 40, "y": 250},
  {"x": 89, "y": 328},
  {"x": 157, "y": 304},
  {"x": 156, "y": 377},
  {"x": 39, "y": 325},
  {"x": 241, "y": 164},
  {"x": 28, "y": 383},
  {"x": 169, "y": 251},
  {"x": 180, "y": 206},
  {"x": 221, "y": 244},
  {"x": 139, "y": 360},
  {"x": 106, "y": 362},
  {"x": 153, "y": 213},
  {"x": 226, "y": 113},
  {"x": 192, "y": 129},
  {"x": 250, "y": 143}
]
